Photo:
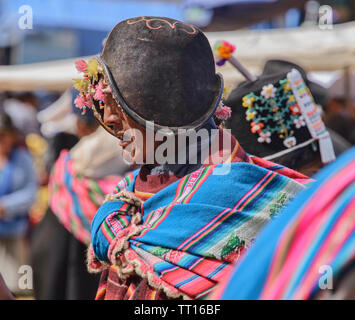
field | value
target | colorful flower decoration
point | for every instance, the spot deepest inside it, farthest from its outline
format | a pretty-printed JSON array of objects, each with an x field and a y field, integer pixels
[
  {"x": 264, "y": 137},
  {"x": 81, "y": 65},
  {"x": 295, "y": 109},
  {"x": 223, "y": 51},
  {"x": 250, "y": 115},
  {"x": 268, "y": 92},
  {"x": 256, "y": 127},
  {"x": 286, "y": 85},
  {"x": 291, "y": 99},
  {"x": 290, "y": 142},
  {"x": 299, "y": 122},
  {"x": 248, "y": 101},
  {"x": 223, "y": 112},
  {"x": 92, "y": 87},
  {"x": 274, "y": 113}
]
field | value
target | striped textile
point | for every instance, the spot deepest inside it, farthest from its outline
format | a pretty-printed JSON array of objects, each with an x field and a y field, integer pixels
[
  {"x": 315, "y": 233},
  {"x": 112, "y": 288},
  {"x": 192, "y": 229},
  {"x": 75, "y": 199}
]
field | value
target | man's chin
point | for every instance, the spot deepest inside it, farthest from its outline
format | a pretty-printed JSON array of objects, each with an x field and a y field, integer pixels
[{"x": 132, "y": 155}]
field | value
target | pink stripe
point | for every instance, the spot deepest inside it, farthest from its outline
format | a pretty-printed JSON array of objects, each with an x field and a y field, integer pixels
[
  {"x": 251, "y": 191},
  {"x": 308, "y": 214},
  {"x": 256, "y": 191},
  {"x": 303, "y": 181},
  {"x": 190, "y": 184},
  {"x": 106, "y": 235},
  {"x": 201, "y": 182},
  {"x": 318, "y": 203},
  {"x": 182, "y": 245},
  {"x": 294, "y": 256},
  {"x": 330, "y": 247}
]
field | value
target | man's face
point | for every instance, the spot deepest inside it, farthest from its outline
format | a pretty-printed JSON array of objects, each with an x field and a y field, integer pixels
[{"x": 121, "y": 125}]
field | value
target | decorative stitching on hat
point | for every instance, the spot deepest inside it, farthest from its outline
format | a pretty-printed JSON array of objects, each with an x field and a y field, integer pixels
[
  {"x": 274, "y": 113},
  {"x": 148, "y": 23}
]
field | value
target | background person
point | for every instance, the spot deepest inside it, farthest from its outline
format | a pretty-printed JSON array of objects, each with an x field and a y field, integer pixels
[
  {"x": 17, "y": 192},
  {"x": 265, "y": 122}
]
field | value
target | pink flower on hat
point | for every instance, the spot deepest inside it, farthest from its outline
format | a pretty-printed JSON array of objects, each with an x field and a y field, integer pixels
[
  {"x": 81, "y": 65},
  {"x": 88, "y": 100},
  {"x": 99, "y": 94},
  {"x": 79, "y": 102},
  {"x": 223, "y": 112}
]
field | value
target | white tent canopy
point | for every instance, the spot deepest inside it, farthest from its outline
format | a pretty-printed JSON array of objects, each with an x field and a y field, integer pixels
[
  {"x": 54, "y": 75},
  {"x": 311, "y": 47}
]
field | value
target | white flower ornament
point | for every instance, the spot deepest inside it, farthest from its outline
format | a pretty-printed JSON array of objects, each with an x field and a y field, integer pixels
[
  {"x": 299, "y": 122},
  {"x": 264, "y": 137},
  {"x": 268, "y": 92}
]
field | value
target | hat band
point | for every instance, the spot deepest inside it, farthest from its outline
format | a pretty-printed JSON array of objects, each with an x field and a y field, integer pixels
[{"x": 286, "y": 151}]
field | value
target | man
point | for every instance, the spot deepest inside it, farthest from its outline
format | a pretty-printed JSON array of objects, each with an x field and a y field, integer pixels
[
  {"x": 18, "y": 188},
  {"x": 172, "y": 228}
]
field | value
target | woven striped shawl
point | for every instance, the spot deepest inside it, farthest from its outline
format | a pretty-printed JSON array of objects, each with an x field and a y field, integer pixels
[{"x": 192, "y": 230}]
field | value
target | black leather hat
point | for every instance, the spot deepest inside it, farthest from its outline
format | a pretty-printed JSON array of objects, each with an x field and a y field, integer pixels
[{"x": 162, "y": 70}]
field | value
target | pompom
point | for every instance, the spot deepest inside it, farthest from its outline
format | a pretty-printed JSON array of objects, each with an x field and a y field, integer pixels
[
  {"x": 88, "y": 100},
  {"x": 81, "y": 84},
  {"x": 223, "y": 50},
  {"x": 229, "y": 45},
  {"x": 81, "y": 65},
  {"x": 223, "y": 112},
  {"x": 92, "y": 68},
  {"x": 79, "y": 102},
  {"x": 99, "y": 94}
]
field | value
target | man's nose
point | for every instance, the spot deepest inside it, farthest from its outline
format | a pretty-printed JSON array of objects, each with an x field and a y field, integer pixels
[{"x": 111, "y": 117}]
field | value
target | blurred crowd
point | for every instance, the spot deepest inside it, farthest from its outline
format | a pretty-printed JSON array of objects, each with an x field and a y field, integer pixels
[{"x": 34, "y": 129}]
